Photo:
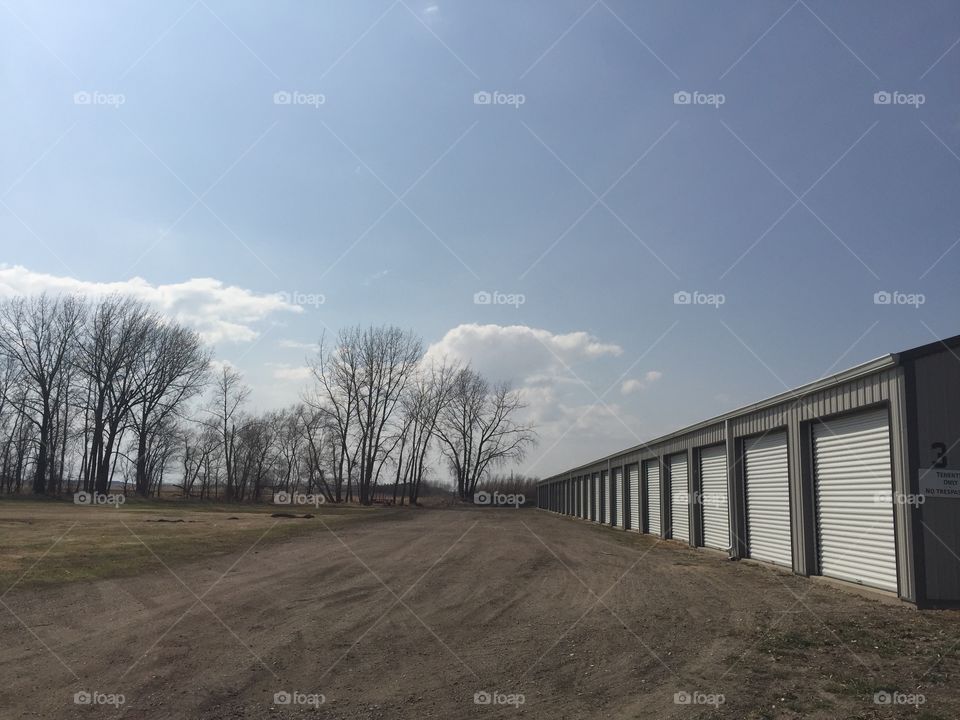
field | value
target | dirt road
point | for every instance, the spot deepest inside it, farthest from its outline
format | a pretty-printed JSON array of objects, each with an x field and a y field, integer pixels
[{"x": 422, "y": 614}]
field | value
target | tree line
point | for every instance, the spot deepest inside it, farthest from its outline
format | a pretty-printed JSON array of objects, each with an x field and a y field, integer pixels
[{"x": 96, "y": 394}]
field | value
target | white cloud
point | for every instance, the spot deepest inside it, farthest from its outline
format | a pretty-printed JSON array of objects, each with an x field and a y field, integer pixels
[
  {"x": 634, "y": 385},
  {"x": 217, "y": 311},
  {"x": 289, "y": 373},
  {"x": 548, "y": 370},
  {"x": 631, "y": 386},
  {"x": 518, "y": 353},
  {"x": 431, "y": 10},
  {"x": 297, "y": 345}
]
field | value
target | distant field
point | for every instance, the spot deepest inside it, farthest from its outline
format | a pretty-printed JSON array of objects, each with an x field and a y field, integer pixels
[{"x": 48, "y": 542}]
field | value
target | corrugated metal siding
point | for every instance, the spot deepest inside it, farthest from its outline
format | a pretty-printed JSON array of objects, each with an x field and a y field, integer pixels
[{"x": 709, "y": 435}]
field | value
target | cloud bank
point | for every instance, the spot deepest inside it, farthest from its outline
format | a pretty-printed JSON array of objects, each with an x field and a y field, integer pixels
[{"x": 219, "y": 312}]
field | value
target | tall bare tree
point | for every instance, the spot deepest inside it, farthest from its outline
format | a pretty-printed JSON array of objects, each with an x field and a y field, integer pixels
[
  {"x": 170, "y": 369},
  {"x": 230, "y": 393},
  {"x": 389, "y": 358},
  {"x": 335, "y": 379},
  {"x": 110, "y": 344},
  {"x": 479, "y": 430},
  {"x": 359, "y": 383},
  {"x": 430, "y": 393},
  {"x": 38, "y": 333}
]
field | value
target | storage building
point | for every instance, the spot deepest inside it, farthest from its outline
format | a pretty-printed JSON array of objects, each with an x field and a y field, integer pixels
[{"x": 854, "y": 477}]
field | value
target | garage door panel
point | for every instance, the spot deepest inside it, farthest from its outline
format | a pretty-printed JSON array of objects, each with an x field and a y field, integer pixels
[
  {"x": 617, "y": 475},
  {"x": 714, "y": 501},
  {"x": 633, "y": 501},
  {"x": 595, "y": 500},
  {"x": 853, "y": 482},
  {"x": 679, "y": 498},
  {"x": 766, "y": 476},
  {"x": 651, "y": 477},
  {"x": 605, "y": 483}
]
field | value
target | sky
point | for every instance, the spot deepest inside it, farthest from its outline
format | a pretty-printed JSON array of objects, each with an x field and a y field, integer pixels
[{"x": 641, "y": 214}]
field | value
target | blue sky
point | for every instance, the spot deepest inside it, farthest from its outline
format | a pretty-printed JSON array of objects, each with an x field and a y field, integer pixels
[{"x": 145, "y": 146}]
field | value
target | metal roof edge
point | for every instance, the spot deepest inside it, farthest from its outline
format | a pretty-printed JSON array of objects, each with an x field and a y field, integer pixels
[{"x": 870, "y": 367}]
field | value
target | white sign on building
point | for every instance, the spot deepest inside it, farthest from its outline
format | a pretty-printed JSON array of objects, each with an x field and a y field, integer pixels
[{"x": 939, "y": 483}]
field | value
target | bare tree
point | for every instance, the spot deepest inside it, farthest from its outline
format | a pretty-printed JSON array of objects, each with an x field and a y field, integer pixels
[
  {"x": 109, "y": 347},
  {"x": 335, "y": 373},
  {"x": 359, "y": 384},
  {"x": 479, "y": 430},
  {"x": 200, "y": 459},
  {"x": 430, "y": 393},
  {"x": 316, "y": 430},
  {"x": 390, "y": 357},
  {"x": 38, "y": 333},
  {"x": 170, "y": 369},
  {"x": 230, "y": 394},
  {"x": 87, "y": 390}
]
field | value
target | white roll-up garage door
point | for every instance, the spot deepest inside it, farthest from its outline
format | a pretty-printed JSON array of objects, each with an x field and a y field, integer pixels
[
  {"x": 767, "y": 479},
  {"x": 633, "y": 500},
  {"x": 605, "y": 484},
  {"x": 595, "y": 499},
  {"x": 651, "y": 483},
  {"x": 713, "y": 497},
  {"x": 618, "y": 497},
  {"x": 854, "y": 502},
  {"x": 679, "y": 498}
]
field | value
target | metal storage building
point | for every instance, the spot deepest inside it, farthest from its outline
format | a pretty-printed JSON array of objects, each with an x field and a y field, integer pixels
[{"x": 849, "y": 477}]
